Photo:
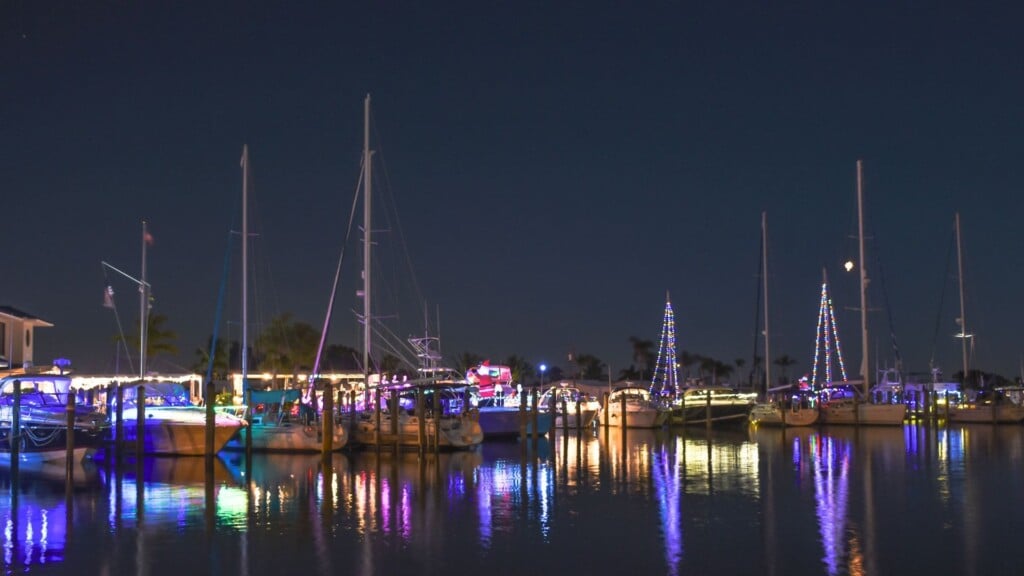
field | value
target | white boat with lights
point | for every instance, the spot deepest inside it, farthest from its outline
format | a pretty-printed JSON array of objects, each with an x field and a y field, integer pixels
[
  {"x": 574, "y": 407},
  {"x": 282, "y": 421},
  {"x": 172, "y": 425},
  {"x": 719, "y": 404},
  {"x": 788, "y": 407},
  {"x": 418, "y": 415},
  {"x": 633, "y": 406},
  {"x": 43, "y": 420},
  {"x": 492, "y": 395},
  {"x": 991, "y": 407},
  {"x": 843, "y": 404}
]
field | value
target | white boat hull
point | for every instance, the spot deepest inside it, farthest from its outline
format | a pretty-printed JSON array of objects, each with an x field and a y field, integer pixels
[
  {"x": 502, "y": 422},
  {"x": 774, "y": 415},
  {"x": 843, "y": 412},
  {"x": 56, "y": 457},
  {"x": 1004, "y": 414},
  {"x": 585, "y": 420},
  {"x": 179, "y": 431},
  {"x": 637, "y": 417},
  {"x": 288, "y": 437},
  {"x": 453, "y": 433}
]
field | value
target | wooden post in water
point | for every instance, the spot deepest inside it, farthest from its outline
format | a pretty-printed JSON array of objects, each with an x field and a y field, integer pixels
[
  {"x": 140, "y": 420},
  {"x": 70, "y": 433},
  {"x": 437, "y": 420},
  {"x": 682, "y": 410},
  {"x": 565, "y": 416},
  {"x": 211, "y": 419},
  {"x": 421, "y": 433},
  {"x": 119, "y": 425},
  {"x": 607, "y": 410},
  {"x": 376, "y": 410},
  {"x": 522, "y": 417},
  {"x": 327, "y": 420},
  {"x": 553, "y": 409},
  {"x": 579, "y": 415},
  {"x": 622, "y": 414},
  {"x": 14, "y": 436},
  {"x": 707, "y": 411},
  {"x": 947, "y": 408},
  {"x": 393, "y": 410},
  {"x": 248, "y": 406},
  {"x": 995, "y": 408},
  {"x": 535, "y": 434}
]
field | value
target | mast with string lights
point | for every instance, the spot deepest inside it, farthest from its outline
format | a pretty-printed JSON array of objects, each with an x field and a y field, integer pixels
[
  {"x": 826, "y": 340},
  {"x": 665, "y": 380}
]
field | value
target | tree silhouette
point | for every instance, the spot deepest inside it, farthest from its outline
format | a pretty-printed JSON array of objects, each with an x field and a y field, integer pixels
[
  {"x": 784, "y": 362},
  {"x": 643, "y": 356}
]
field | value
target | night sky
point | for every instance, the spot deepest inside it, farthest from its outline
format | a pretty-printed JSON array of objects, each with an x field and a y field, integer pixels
[{"x": 556, "y": 166}]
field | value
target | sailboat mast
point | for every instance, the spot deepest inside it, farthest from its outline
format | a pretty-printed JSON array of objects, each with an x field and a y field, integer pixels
[
  {"x": 245, "y": 269},
  {"x": 367, "y": 187},
  {"x": 963, "y": 319},
  {"x": 764, "y": 279},
  {"x": 142, "y": 306},
  {"x": 864, "y": 364}
]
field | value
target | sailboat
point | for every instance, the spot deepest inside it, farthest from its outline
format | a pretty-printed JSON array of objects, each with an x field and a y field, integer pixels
[
  {"x": 789, "y": 409},
  {"x": 427, "y": 412},
  {"x": 271, "y": 425},
  {"x": 991, "y": 406},
  {"x": 863, "y": 406}
]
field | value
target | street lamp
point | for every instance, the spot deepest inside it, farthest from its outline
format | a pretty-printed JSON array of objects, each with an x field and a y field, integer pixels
[{"x": 543, "y": 369}]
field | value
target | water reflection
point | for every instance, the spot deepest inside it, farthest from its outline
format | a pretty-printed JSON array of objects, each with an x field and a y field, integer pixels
[{"x": 796, "y": 501}]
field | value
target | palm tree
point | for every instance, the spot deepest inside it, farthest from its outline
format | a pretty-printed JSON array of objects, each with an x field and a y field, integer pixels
[
  {"x": 784, "y": 362},
  {"x": 521, "y": 369},
  {"x": 221, "y": 367},
  {"x": 630, "y": 373},
  {"x": 739, "y": 362},
  {"x": 159, "y": 339},
  {"x": 287, "y": 345},
  {"x": 643, "y": 356},
  {"x": 467, "y": 360},
  {"x": 338, "y": 357},
  {"x": 590, "y": 367}
]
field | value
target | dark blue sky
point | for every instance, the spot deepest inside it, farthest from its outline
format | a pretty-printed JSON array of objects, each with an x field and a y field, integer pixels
[{"x": 557, "y": 167}]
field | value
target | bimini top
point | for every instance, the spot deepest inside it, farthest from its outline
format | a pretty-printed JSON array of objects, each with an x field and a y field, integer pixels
[{"x": 41, "y": 383}]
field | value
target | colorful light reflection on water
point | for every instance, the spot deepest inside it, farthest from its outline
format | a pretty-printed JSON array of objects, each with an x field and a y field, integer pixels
[{"x": 799, "y": 501}]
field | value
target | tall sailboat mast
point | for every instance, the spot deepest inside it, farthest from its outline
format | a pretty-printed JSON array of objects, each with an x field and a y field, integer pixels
[
  {"x": 245, "y": 269},
  {"x": 764, "y": 279},
  {"x": 964, "y": 335},
  {"x": 143, "y": 306},
  {"x": 367, "y": 187},
  {"x": 864, "y": 364}
]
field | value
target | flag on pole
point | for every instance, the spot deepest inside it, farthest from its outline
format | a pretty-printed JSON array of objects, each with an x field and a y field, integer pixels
[
  {"x": 147, "y": 238},
  {"x": 108, "y": 297}
]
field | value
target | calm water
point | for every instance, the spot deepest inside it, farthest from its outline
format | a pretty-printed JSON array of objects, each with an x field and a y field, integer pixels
[{"x": 910, "y": 500}]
